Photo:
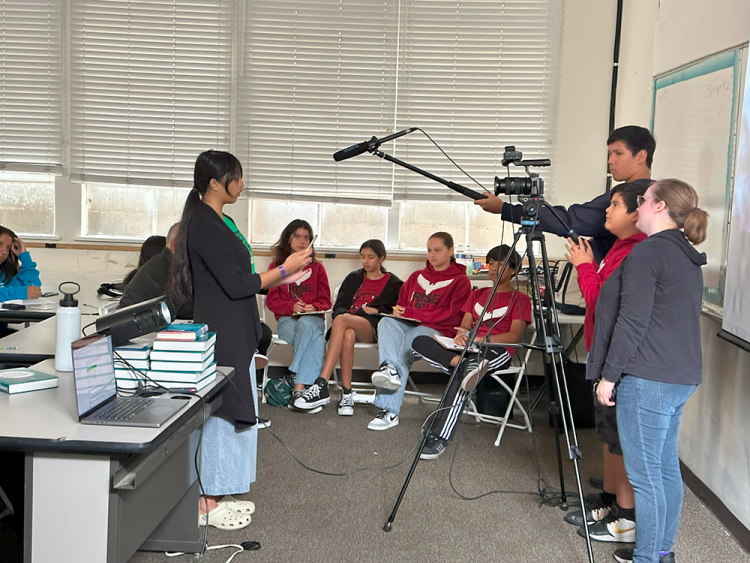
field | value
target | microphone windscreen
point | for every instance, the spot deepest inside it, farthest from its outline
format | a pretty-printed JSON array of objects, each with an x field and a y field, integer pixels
[{"x": 349, "y": 152}]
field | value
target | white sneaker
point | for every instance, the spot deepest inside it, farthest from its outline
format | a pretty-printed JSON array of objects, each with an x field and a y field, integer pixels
[
  {"x": 383, "y": 421},
  {"x": 475, "y": 375},
  {"x": 386, "y": 377},
  {"x": 346, "y": 406}
]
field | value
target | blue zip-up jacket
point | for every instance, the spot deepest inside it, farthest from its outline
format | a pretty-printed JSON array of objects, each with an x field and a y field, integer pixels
[
  {"x": 648, "y": 314},
  {"x": 27, "y": 275}
]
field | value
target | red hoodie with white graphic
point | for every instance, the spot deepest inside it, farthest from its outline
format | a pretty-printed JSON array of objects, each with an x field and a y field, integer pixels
[
  {"x": 312, "y": 289},
  {"x": 435, "y": 298}
]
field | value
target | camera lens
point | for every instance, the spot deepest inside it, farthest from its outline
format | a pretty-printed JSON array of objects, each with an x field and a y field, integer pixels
[{"x": 513, "y": 186}]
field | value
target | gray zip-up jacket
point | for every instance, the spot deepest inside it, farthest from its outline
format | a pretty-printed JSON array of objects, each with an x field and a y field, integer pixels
[{"x": 648, "y": 314}]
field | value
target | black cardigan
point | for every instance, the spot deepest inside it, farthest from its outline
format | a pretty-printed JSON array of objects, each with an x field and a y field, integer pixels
[
  {"x": 384, "y": 302},
  {"x": 224, "y": 290},
  {"x": 150, "y": 281}
]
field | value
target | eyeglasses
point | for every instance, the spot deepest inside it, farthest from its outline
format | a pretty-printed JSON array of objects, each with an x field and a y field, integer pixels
[{"x": 640, "y": 200}]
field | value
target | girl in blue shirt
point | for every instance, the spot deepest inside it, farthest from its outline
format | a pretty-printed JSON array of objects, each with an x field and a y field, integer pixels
[{"x": 19, "y": 278}]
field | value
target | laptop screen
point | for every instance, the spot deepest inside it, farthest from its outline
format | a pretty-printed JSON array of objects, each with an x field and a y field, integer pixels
[{"x": 94, "y": 372}]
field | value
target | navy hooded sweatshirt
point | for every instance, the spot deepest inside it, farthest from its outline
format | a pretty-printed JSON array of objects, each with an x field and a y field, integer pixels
[{"x": 648, "y": 314}]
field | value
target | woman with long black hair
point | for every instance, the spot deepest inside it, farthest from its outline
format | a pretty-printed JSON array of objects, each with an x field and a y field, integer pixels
[{"x": 213, "y": 265}]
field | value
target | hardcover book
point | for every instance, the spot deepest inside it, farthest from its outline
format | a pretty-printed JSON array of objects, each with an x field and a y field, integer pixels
[
  {"x": 23, "y": 380},
  {"x": 202, "y": 344}
]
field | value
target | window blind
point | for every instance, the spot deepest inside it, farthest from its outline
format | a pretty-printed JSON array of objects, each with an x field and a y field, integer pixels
[
  {"x": 151, "y": 88},
  {"x": 476, "y": 75},
  {"x": 317, "y": 76},
  {"x": 30, "y": 93}
]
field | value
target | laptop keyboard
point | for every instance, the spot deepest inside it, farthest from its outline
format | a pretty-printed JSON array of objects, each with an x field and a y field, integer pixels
[{"x": 124, "y": 409}]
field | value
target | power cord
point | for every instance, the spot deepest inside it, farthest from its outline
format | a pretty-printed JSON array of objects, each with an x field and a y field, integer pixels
[{"x": 244, "y": 546}]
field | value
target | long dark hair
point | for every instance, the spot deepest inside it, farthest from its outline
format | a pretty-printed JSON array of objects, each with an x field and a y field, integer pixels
[
  {"x": 210, "y": 165},
  {"x": 283, "y": 247},
  {"x": 377, "y": 247},
  {"x": 10, "y": 265},
  {"x": 151, "y": 247}
]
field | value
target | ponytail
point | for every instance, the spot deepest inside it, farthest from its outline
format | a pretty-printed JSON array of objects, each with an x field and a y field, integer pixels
[
  {"x": 682, "y": 204},
  {"x": 695, "y": 225},
  {"x": 180, "y": 283}
]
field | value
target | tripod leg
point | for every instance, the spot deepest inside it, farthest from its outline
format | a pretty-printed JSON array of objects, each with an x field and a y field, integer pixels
[{"x": 456, "y": 371}]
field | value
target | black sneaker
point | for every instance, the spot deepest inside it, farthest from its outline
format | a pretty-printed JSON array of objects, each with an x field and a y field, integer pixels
[
  {"x": 625, "y": 555},
  {"x": 296, "y": 395},
  {"x": 434, "y": 447},
  {"x": 613, "y": 528},
  {"x": 316, "y": 396},
  {"x": 593, "y": 515}
]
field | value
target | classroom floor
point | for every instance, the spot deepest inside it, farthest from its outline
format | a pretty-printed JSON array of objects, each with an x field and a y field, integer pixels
[{"x": 306, "y": 516}]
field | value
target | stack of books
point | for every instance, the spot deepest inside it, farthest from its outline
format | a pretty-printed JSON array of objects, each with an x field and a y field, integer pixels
[
  {"x": 183, "y": 357},
  {"x": 130, "y": 359}
]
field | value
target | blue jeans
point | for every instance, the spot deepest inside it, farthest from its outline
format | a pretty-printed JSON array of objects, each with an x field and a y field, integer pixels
[
  {"x": 648, "y": 418},
  {"x": 394, "y": 346},
  {"x": 306, "y": 335},
  {"x": 228, "y": 455}
]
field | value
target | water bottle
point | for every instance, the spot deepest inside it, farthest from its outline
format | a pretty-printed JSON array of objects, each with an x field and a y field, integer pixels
[{"x": 68, "y": 319}]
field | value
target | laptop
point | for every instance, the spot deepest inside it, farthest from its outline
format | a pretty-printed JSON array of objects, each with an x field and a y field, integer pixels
[{"x": 96, "y": 390}]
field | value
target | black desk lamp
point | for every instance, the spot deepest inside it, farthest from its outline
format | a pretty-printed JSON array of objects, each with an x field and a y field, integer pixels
[{"x": 139, "y": 319}]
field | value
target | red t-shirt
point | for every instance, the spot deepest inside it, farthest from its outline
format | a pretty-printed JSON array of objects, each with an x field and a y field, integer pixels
[
  {"x": 369, "y": 290},
  {"x": 506, "y": 308}
]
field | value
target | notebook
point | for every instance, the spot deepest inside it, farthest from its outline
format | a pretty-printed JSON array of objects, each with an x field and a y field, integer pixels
[{"x": 96, "y": 390}]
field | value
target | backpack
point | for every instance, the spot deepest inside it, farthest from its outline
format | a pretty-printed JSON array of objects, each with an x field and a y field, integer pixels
[{"x": 278, "y": 392}]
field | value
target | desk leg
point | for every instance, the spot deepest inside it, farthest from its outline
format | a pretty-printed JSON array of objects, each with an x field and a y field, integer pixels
[{"x": 67, "y": 508}]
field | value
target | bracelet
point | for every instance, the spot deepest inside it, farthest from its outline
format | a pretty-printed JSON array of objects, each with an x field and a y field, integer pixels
[{"x": 283, "y": 271}]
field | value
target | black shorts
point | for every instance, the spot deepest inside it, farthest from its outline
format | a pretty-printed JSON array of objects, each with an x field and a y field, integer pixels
[{"x": 606, "y": 426}]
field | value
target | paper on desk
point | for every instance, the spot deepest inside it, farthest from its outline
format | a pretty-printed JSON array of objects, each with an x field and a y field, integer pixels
[{"x": 41, "y": 303}]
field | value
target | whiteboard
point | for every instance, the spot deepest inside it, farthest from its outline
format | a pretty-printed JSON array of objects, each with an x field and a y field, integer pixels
[
  {"x": 737, "y": 299},
  {"x": 693, "y": 122}
]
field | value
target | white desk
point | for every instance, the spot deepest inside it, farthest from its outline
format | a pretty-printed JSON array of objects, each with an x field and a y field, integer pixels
[{"x": 97, "y": 493}]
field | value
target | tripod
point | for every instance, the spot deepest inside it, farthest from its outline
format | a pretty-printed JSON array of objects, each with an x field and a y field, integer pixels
[{"x": 548, "y": 339}]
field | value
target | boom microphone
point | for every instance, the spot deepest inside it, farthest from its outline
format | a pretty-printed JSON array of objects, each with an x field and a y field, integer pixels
[{"x": 359, "y": 148}]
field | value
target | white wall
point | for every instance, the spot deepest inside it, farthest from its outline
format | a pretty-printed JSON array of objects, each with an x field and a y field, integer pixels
[
  {"x": 714, "y": 442},
  {"x": 690, "y": 30},
  {"x": 580, "y": 159}
]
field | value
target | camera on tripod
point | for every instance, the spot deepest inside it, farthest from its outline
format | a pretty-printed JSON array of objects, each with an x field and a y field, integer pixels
[{"x": 532, "y": 185}]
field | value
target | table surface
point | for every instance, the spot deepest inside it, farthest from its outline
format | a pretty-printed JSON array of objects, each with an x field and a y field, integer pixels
[
  {"x": 30, "y": 345},
  {"x": 89, "y": 305},
  {"x": 47, "y": 420}
]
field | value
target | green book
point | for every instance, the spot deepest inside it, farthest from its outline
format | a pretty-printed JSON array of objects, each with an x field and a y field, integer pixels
[{"x": 23, "y": 380}]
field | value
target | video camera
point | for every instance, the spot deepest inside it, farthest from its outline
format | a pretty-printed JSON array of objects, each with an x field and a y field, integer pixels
[{"x": 532, "y": 185}]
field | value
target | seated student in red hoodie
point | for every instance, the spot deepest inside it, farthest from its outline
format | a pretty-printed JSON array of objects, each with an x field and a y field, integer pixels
[
  {"x": 505, "y": 320},
  {"x": 433, "y": 297},
  {"x": 618, "y": 498},
  {"x": 363, "y": 295},
  {"x": 308, "y": 294}
]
